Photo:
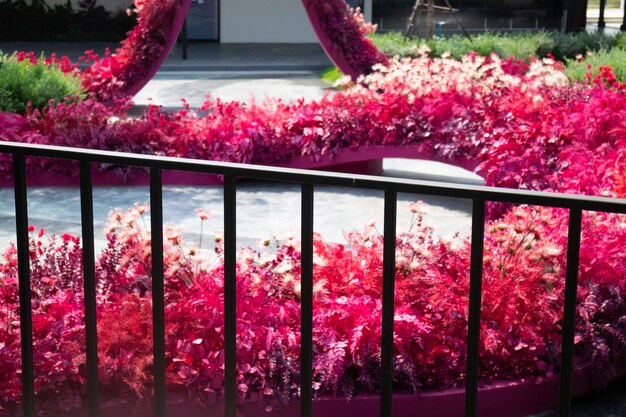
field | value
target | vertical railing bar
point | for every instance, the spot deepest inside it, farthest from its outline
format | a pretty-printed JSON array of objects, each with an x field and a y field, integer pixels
[
  {"x": 569, "y": 311},
  {"x": 89, "y": 283},
  {"x": 389, "y": 275},
  {"x": 158, "y": 293},
  {"x": 23, "y": 267},
  {"x": 306, "y": 302},
  {"x": 230, "y": 296},
  {"x": 475, "y": 295}
]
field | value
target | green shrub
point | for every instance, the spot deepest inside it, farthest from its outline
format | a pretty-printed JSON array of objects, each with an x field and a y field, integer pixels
[
  {"x": 520, "y": 45},
  {"x": 569, "y": 45},
  {"x": 394, "y": 43},
  {"x": 615, "y": 58},
  {"x": 23, "y": 82}
]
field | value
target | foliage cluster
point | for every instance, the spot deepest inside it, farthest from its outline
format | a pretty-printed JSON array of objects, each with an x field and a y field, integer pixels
[
  {"x": 551, "y": 134},
  {"x": 520, "y": 331},
  {"x": 596, "y": 48},
  {"x": 28, "y": 83},
  {"x": 113, "y": 75},
  {"x": 522, "y": 125},
  {"x": 37, "y": 21},
  {"x": 523, "y": 45},
  {"x": 577, "y": 69}
]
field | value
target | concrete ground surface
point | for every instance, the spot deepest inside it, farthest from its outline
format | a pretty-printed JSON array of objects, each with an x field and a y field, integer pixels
[
  {"x": 168, "y": 87},
  {"x": 234, "y": 72}
]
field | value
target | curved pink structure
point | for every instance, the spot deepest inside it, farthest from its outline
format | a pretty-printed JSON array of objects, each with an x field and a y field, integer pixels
[
  {"x": 350, "y": 160},
  {"x": 337, "y": 31},
  {"x": 341, "y": 38},
  {"x": 173, "y": 32}
]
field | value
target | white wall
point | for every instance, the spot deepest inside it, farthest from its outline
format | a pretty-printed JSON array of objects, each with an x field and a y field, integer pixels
[
  {"x": 264, "y": 21},
  {"x": 268, "y": 21}
]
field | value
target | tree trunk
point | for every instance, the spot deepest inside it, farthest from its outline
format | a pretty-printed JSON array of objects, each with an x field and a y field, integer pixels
[{"x": 430, "y": 19}]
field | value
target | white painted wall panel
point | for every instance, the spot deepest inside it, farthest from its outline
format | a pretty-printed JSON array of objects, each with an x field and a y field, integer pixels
[{"x": 264, "y": 21}]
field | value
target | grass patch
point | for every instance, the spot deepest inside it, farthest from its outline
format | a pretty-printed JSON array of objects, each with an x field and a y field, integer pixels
[{"x": 331, "y": 75}]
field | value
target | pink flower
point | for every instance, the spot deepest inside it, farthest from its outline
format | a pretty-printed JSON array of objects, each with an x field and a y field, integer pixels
[{"x": 202, "y": 214}]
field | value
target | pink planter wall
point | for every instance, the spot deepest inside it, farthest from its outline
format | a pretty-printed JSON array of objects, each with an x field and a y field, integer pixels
[
  {"x": 507, "y": 399},
  {"x": 355, "y": 161}
]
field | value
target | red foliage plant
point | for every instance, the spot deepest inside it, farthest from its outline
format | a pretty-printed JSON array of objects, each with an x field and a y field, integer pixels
[
  {"x": 524, "y": 127},
  {"x": 520, "y": 330}
]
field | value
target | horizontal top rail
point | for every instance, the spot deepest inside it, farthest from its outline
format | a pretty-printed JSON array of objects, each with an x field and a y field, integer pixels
[{"x": 505, "y": 195}]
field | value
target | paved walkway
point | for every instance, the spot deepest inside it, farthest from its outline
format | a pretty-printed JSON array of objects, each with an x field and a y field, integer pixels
[{"x": 168, "y": 87}]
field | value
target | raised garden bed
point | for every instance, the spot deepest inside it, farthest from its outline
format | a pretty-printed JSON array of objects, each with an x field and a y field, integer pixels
[{"x": 518, "y": 126}]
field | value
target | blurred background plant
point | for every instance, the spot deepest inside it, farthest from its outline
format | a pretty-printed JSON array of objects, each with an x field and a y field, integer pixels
[{"x": 37, "y": 21}]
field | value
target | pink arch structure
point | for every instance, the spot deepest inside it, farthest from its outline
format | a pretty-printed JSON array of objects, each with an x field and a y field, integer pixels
[{"x": 338, "y": 32}]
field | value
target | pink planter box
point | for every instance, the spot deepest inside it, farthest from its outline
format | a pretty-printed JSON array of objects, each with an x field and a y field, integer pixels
[
  {"x": 507, "y": 399},
  {"x": 353, "y": 161}
]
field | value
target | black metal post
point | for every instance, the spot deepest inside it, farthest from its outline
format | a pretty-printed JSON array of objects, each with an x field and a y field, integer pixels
[
  {"x": 623, "y": 26},
  {"x": 306, "y": 302},
  {"x": 230, "y": 297},
  {"x": 475, "y": 296},
  {"x": 184, "y": 42},
  {"x": 23, "y": 270},
  {"x": 158, "y": 292},
  {"x": 89, "y": 283},
  {"x": 389, "y": 277},
  {"x": 601, "y": 22},
  {"x": 569, "y": 312}
]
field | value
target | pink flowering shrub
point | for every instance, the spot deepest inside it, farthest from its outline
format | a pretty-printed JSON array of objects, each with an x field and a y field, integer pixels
[
  {"x": 530, "y": 130},
  {"x": 520, "y": 330},
  {"x": 58, "y": 321}
]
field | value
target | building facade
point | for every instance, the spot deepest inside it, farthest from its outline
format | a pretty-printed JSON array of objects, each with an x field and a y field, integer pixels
[{"x": 285, "y": 21}]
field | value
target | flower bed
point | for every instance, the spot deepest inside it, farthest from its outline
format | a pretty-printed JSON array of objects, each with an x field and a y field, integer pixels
[
  {"x": 521, "y": 125},
  {"x": 520, "y": 332}
]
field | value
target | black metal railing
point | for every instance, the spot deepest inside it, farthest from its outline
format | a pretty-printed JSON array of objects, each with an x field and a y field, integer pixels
[{"x": 308, "y": 179}]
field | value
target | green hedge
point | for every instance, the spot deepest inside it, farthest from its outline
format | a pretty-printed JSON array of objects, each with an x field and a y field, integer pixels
[
  {"x": 520, "y": 45},
  {"x": 23, "y": 82}
]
